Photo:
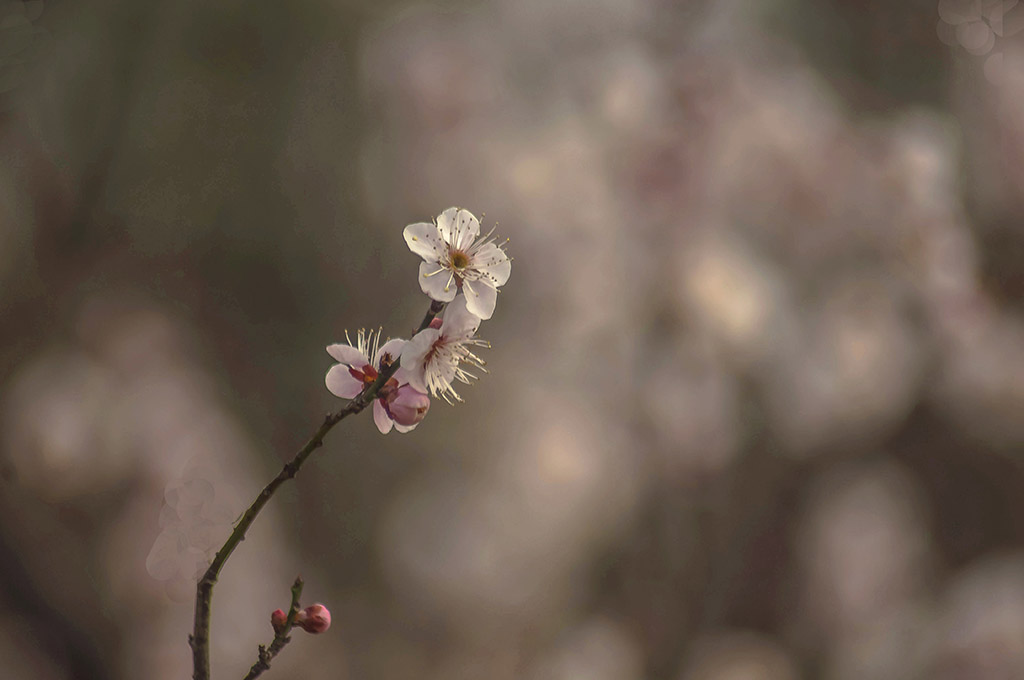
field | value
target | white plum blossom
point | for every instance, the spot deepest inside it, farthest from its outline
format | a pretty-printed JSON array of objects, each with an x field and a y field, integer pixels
[
  {"x": 355, "y": 371},
  {"x": 456, "y": 260},
  {"x": 434, "y": 356}
]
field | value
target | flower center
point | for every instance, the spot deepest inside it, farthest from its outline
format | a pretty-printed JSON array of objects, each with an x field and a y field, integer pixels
[
  {"x": 460, "y": 260},
  {"x": 369, "y": 374}
]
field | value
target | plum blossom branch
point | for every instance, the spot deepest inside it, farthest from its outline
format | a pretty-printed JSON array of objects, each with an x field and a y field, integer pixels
[
  {"x": 459, "y": 268},
  {"x": 199, "y": 640}
]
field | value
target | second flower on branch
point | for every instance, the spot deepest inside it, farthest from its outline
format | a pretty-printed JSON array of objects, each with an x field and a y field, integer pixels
[{"x": 397, "y": 404}]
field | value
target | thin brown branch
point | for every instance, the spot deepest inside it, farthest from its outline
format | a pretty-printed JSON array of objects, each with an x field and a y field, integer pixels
[{"x": 200, "y": 638}]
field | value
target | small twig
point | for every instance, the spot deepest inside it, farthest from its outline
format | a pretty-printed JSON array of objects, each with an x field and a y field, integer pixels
[
  {"x": 281, "y": 637},
  {"x": 200, "y": 638}
]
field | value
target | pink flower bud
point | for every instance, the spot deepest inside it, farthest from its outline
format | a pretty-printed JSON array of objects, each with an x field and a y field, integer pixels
[
  {"x": 278, "y": 619},
  {"x": 435, "y": 323},
  {"x": 408, "y": 407},
  {"x": 314, "y": 619}
]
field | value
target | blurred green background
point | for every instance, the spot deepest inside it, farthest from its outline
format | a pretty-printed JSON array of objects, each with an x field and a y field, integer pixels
[{"x": 755, "y": 408}]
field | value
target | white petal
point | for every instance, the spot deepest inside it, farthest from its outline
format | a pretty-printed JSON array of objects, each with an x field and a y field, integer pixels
[
  {"x": 417, "y": 348},
  {"x": 458, "y": 227},
  {"x": 445, "y": 370},
  {"x": 446, "y": 224},
  {"x": 405, "y": 428},
  {"x": 402, "y": 375},
  {"x": 424, "y": 239},
  {"x": 418, "y": 381},
  {"x": 438, "y": 286},
  {"x": 341, "y": 383},
  {"x": 458, "y": 321},
  {"x": 480, "y": 298},
  {"x": 465, "y": 230},
  {"x": 392, "y": 347},
  {"x": 380, "y": 417},
  {"x": 413, "y": 355},
  {"x": 346, "y": 354},
  {"x": 492, "y": 262}
]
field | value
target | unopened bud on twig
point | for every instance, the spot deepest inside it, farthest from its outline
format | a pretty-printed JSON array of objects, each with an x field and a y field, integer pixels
[
  {"x": 278, "y": 619},
  {"x": 407, "y": 406},
  {"x": 314, "y": 619}
]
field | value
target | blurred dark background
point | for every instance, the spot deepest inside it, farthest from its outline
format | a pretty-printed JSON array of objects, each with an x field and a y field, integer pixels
[{"x": 756, "y": 400}]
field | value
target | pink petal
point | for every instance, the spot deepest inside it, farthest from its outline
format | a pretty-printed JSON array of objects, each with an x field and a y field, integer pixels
[
  {"x": 341, "y": 383},
  {"x": 346, "y": 354},
  {"x": 380, "y": 417},
  {"x": 392, "y": 347},
  {"x": 408, "y": 406}
]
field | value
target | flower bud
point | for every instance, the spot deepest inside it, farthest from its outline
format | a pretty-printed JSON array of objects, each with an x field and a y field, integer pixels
[
  {"x": 435, "y": 323},
  {"x": 314, "y": 619},
  {"x": 408, "y": 407},
  {"x": 278, "y": 619}
]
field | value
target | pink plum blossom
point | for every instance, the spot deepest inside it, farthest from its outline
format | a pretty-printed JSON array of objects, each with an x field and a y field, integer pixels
[{"x": 355, "y": 371}]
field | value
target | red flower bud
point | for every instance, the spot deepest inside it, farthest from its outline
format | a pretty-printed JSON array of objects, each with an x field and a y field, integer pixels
[
  {"x": 314, "y": 619},
  {"x": 278, "y": 619}
]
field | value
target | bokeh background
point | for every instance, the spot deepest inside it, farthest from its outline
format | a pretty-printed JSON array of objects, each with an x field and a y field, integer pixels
[{"x": 756, "y": 401}]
